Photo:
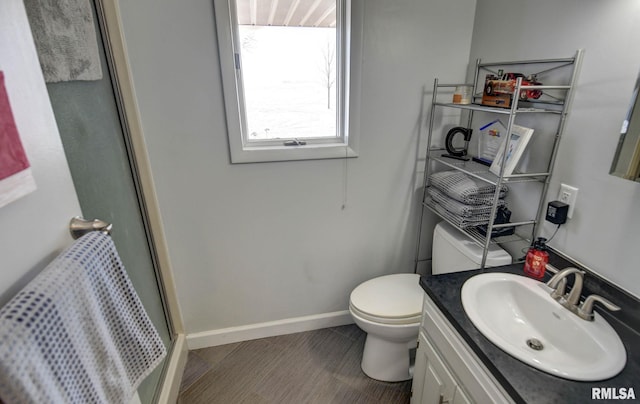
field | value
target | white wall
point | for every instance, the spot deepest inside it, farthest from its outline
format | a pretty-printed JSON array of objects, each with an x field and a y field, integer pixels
[
  {"x": 603, "y": 233},
  {"x": 261, "y": 242},
  {"x": 33, "y": 229}
]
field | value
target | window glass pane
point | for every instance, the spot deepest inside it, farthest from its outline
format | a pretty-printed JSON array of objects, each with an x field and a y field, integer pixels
[{"x": 289, "y": 80}]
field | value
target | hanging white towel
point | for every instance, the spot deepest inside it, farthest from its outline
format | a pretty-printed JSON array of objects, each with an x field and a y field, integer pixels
[{"x": 78, "y": 332}]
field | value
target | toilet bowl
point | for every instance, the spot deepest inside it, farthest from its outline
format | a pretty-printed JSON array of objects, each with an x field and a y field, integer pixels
[{"x": 388, "y": 309}]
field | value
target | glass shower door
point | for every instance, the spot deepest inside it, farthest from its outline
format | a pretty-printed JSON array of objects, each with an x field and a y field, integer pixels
[{"x": 103, "y": 169}]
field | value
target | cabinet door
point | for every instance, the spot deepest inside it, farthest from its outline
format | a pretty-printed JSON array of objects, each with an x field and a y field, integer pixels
[
  {"x": 427, "y": 385},
  {"x": 419, "y": 373},
  {"x": 460, "y": 397},
  {"x": 432, "y": 381}
]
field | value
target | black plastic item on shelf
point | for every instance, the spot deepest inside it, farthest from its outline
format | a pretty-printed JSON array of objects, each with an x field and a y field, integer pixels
[
  {"x": 457, "y": 153},
  {"x": 481, "y": 161},
  {"x": 503, "y": 215}
]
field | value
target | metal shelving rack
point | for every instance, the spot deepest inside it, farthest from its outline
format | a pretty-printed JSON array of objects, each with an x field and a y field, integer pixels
[{"x": 548, "y": 105}]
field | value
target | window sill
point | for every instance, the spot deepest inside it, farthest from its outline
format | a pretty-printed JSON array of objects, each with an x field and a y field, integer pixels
[{"x": 262, "y": 154}]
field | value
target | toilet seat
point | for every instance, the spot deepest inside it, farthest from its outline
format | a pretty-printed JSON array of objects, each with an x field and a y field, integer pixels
[
  {"x": 384, "y": 321},
  {"x": 389, "y": 299}
]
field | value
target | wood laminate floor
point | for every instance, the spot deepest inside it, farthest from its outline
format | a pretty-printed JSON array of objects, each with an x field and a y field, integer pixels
[{"x": 321, "y": 366}]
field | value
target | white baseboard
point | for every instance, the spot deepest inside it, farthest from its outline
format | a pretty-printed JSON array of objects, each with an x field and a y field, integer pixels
[
  {"x": 175, "y": 368},
  {"x": 269, "y": 329}
]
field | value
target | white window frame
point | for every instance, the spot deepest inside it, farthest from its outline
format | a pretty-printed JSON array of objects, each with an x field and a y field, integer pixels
[{"x": 347, "y": 91}]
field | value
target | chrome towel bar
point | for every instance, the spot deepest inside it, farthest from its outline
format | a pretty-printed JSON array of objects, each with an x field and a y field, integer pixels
[{"x": 79, "y": 227}]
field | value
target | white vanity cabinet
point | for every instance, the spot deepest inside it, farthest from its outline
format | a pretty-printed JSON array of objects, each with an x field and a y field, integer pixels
[{"x": 446, "y": 369}]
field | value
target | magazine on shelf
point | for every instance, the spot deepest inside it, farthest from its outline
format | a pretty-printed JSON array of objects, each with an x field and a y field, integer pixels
[{"x": 516, "y": 142}]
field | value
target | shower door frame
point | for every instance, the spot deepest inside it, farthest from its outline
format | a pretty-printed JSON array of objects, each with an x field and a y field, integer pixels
[{"x": 109, "y": 22}]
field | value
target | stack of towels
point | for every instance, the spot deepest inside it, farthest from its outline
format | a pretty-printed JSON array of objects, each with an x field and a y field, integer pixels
[{"x": 461, "y": 199}]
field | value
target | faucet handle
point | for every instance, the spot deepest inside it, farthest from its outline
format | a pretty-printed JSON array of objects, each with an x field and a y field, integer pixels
[{"x": 586, "y": 309}]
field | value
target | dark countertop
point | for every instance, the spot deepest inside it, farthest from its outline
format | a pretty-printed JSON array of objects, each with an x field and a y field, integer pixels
[{"x": 523, "y": 382}]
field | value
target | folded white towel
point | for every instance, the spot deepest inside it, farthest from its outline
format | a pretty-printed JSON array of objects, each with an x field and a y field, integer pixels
[
  {"x": 78, "y": 332},
  {"x": 459, "y": 208},
  {"x": 461, "y": 187},
  {"x": 462, "y": 222}
]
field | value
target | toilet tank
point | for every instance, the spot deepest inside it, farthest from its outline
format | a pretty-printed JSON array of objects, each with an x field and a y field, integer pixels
[{"x": 453, "y": 251}]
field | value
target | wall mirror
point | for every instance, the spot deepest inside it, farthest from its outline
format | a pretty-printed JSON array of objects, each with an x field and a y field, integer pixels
[{"x": 626, "y": 161}]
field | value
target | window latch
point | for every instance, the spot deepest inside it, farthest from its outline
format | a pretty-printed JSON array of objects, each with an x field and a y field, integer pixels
[{"x": 295, "y": 142}]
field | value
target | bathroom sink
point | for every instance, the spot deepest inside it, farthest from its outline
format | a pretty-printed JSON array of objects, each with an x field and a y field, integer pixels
[{"x": 518, "y": 315}]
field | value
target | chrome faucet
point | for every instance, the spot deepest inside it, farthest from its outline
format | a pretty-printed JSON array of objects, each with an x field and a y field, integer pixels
[
  {"x": 571, "y": 301},
  {"x": 559, "y": 282}
]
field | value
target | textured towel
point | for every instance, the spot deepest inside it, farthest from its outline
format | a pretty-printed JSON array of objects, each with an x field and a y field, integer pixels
[
  {"x": 78, "y": 332},
  {"x": 16, "y": 179},
  {"x": 462, "y": 222},
  {"x": 461, "y": 187},
  {"x": 459, "y": 208},
  {"x": 65, "y": 37}
]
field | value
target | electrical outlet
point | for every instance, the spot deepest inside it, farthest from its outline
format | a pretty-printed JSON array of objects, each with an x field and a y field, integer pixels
[{"x": 568, "y": 195}]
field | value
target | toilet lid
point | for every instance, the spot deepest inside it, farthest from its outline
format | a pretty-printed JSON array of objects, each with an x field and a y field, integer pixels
[{"x": 394, "y": 296}]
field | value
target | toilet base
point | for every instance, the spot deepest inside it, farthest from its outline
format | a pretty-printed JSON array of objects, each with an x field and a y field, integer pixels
[{"x": 386, "y": 360}]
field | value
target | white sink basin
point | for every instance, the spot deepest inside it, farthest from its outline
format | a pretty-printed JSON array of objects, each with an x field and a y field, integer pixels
[{"x": 517, "y": 314}]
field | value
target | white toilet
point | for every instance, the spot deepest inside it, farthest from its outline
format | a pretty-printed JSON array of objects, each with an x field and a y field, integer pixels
[
  {"x": 389, "y": 308},
  {"x": 455, "y": 252}
]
